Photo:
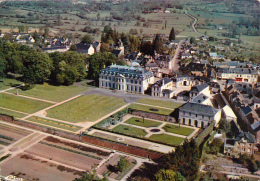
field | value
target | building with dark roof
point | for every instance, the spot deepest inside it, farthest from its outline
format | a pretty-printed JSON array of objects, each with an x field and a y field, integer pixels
[
  {"x": 130, "y": 79},
  {"x": 243, "y": 143},
  {"x": 198, "y": 89},
  {"x": 198, "y": 115},
  {"x": 162, "y": 88},
  {"x": 85, "y": 48}
]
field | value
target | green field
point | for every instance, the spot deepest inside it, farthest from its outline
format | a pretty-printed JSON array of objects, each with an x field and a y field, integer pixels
[
  {"x": 52, "y": 93},
  {"x": 164, "y": 138},
  {"x": 21, "y": 104},
  {"x": 86, "y": 108},
  {"x": 178, "y": 130},
  {"x": 130, "y": 130},
  {"x": 57, "y": 124},
  {"x": 12, "y": 113},
  {"x": 149, "y": 109},
  {"x": 159, "y": 103},
  {"x": 139, "y": 122},
  {"x": 7, "y": 83}
]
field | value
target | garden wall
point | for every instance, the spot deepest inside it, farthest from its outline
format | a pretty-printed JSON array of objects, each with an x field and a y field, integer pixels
[
  {"x": 152, "y": 115},
  {"x": 88, "y": 138}
]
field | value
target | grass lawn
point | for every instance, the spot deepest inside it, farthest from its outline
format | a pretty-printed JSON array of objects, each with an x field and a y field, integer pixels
[
  {"x": 7, "y": 83},
  {"x": 130, "y": 130},
  {"x": 151, "y": 109},
  {"x": 21, "y": 104},
  {"x": 139, "y": 122},
  {"x": 12, "y": 113},
  {"x": 165, "y": 138},
  {"x": 86, "y": 108},
  {"x": 52, "y": 93},
  {"x": 57, "y": 124},
  {"x": 166, "y": 104},
  {"x": 178, "y": 130}
]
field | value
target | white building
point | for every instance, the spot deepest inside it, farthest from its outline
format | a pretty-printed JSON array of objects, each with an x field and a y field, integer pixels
[
  {"x": 229, "y": 114},
  {"x": 162, "y": 88},
  {"x": 202, "y": 99},
  {"x": 196, "y": 90},
  {"x": 247, "y": 75},
  {"x": 129, "y": 79},
  {"x": 198, "y": 115}
]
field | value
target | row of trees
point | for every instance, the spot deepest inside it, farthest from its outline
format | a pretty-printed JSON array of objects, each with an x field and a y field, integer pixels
[{"x": 57, "y": 68}]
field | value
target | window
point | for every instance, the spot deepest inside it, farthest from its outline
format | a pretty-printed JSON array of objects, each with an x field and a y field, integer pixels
[{"x": 196, "y": 115}]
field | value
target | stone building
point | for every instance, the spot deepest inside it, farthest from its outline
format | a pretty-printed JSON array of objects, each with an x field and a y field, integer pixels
[
  {"x": 162, "y": 88},
  {"x": 129, "y": 79},
  {"x": 198, "y": 115},
  {"x": 243, "y": 143},
  {"x": 196, "y": 90}
]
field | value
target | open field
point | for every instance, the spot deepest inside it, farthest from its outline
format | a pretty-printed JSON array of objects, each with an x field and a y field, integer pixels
[
  {"x": 21, "y": 104},
  {"x": 139, "y": 122},
  {"x": 178, "y": 130},
  {"x": 159, "y": 103},
  {"x": 86, "y": 108},
  {"x": 7, "y": 83},
  {"x": 130, "y": 130},
  {"x": 37, "y": 169},
  {"x": 12, "y": 113},
  {"x": 151, "y": 109},
  {"x": 56, "y": 124},
  {"x": 165, "y": 138},
  {"x": 52, "y": 93},
  {"x": 62, "y": 156}
]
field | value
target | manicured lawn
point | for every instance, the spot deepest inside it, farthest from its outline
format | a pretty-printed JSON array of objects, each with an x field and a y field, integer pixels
[
  {"x": 139, "y": 122},
  {"x": 164, "y": 138},
  {"x": 151, "y": 109},
  {"x": 57, "y": 124},
  {"x": 52, "y": 93},
  {"x": 178, "y": 130},
  {"x": 86, "y": 108},
  {"x": 130, "y": 130},
  {"x": 21, "y": 104},
  {"x": 7, "y": 83},
  {"x": 12, "y": 113},
  {"x": 166, "y": 104}
]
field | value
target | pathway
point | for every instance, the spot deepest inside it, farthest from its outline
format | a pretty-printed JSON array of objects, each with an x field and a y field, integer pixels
[
  {"x": 154, "y": 106},
  {"x": 43, "y": 100},
  {"x": 194, "y": 23},
  {"x": 175, "y": 66}
]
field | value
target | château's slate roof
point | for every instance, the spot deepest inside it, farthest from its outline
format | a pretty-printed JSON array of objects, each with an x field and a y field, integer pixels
[{"x": 198, "y": 109}]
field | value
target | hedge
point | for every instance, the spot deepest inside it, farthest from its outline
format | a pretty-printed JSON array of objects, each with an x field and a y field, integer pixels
[
  {"x": 117, "y": 116},
  {"x": 4, "y": 157},
  {"x": 6, "y": 138},
  {"x": 205, "y": 133}
]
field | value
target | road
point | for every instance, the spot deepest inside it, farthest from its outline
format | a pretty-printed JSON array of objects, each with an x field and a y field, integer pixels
[
  {"x": 175, "y": 66},
  {"x": 194, "y": 23}
]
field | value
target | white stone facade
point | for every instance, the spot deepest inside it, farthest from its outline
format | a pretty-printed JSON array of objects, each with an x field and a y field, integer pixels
[{"x": 129, "y": 79}]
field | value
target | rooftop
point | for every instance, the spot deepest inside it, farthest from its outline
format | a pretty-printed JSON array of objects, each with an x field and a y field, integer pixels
[
  {"x": 135, "y": 72},
  {"x": 199, "y": 98},
  {"x": 247, "y": 136},
  {"x": 199, "y": 109}
]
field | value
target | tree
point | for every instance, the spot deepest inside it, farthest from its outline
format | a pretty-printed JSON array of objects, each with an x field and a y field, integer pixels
[
  {"x": 172, "y": 34},
  {"x": 87, "y": 39},
  {"x": 168, "y": 175},
  {"x": 98, "y": 61},
  {"x": 185, "y": 160},
  {"x": 91, "y": 176},
  {"x": 122, "y": 164},
  {"x": 157, "y": 43},
  {"x": 73, "y": 48},
  {"x": 224, "y": 125},
  {"x": 192, "y": 40},
  {"x": 215, "y": 145}
]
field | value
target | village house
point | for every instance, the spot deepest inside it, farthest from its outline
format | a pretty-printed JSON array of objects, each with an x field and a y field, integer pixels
[
  {"x": 243, "y": 143},
  {"x": 198, "y": 89},
  {"x": 85, "y": 48},
  {"x": 162, "y": 88}
]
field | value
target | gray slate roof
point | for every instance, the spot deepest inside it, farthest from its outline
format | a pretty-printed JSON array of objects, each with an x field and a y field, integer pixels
[
  {"x": 198, "y": 109},
  {"x": 247, "y": 136},
  {"x": 199, "y": 88},
  {"x": 256, "y": 126},
  {"x": 199, "y": 98}
]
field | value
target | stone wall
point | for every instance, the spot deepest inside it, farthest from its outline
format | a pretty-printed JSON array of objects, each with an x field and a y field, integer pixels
[{"x": 152, "y": 116}]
